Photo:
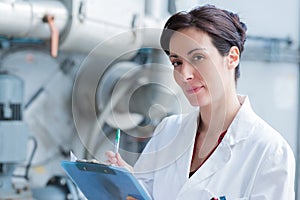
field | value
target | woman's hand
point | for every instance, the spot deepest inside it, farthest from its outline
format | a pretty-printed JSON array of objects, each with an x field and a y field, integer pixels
[{"x": 116, "y": 159}]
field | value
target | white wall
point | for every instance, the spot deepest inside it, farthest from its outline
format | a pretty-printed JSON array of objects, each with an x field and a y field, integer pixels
[{"x": 263, "y": 18}]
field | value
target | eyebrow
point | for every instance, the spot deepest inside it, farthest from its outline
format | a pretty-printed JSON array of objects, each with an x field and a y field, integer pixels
[
  {"x": 173, "y": 56},
  {"x": 196, "y": 49},
  {"x": 191, "y": 51}
]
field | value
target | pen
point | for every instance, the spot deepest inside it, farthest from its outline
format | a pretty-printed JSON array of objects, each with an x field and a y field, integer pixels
[{"x": 117, "y": 141}]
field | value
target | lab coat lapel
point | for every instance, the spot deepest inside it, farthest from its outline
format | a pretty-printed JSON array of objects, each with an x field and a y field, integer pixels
[
  {"x": 180, "y": 146},
  {"x": 181, "y": 150},
  {"x": 187, "y": 158},
  {"x": 215, "y": 162}
]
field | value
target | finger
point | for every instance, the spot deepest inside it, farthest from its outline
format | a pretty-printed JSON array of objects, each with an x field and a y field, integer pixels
[
  {"x": 130, "y": 198},
  {"x": 111, "y": 157},
  {"x": 110, "y": 154},
  {"x": 122, "y": 163},
  {"x": 120, "y": 160},
  {"x": 113, "y": 160}
]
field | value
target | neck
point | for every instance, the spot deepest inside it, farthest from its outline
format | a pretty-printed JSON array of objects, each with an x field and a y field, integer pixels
[{"x": 217, "y": 117}]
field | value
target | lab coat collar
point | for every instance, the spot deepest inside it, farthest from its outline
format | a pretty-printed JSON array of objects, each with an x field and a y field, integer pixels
[
  {"x": 239, "y": 130},
  {"x": 216, "y": 161},
  {"x": 242, "y": 125}
]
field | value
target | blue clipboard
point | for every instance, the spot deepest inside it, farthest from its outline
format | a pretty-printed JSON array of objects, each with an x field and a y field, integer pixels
[{"x": 104, "y": 182}]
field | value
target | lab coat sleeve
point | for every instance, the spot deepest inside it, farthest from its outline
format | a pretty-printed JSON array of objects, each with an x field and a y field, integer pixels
[
  {"x": 146, "y": 179},
  {"x": 275, "y": 178},
  {"x": 144, "y": 168},
  {"x": 144, "y": 176}
]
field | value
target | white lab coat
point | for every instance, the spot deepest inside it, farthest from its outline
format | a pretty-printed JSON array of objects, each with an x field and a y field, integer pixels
[{"x": 253, "y": 161}]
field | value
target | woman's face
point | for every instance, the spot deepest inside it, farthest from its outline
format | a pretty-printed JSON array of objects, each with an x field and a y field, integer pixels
[{"x": 203, "y": 74}]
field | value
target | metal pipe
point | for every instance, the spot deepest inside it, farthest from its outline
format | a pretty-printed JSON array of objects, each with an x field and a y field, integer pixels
[
  {"x": 156, "y": 14},
  {"x": 25, "y": 18},
  {"x": 157, "y": 9}
]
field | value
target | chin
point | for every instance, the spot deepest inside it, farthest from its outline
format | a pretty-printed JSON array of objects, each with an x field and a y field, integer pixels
[{"x": 199, "y": 102}]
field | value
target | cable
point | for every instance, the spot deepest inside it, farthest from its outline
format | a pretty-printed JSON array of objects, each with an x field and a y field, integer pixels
[{"x": 27, "y": 167}]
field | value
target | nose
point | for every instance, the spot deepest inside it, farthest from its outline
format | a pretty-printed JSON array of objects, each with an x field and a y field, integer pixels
[{"x": 187, "y": 71}]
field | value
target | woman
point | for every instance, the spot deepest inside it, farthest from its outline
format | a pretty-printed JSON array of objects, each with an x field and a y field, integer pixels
[{"x": 223, "y": 150}]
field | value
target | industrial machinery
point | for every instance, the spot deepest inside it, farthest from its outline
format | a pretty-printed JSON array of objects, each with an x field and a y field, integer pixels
[
  {"x": 73, "y": 72},
  {"x": 14, "y": 135}
]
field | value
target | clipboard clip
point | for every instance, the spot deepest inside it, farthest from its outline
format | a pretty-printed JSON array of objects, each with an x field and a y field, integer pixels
[{"x": 94, "y": 167}]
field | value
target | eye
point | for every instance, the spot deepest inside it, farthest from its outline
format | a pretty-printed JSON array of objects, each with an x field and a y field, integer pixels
[
  {"x": 176, "y": 63},
  {"x": 197, "y": 57}
]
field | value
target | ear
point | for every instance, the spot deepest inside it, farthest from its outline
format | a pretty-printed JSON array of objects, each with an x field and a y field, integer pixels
[{"x": 233, "y": 57}]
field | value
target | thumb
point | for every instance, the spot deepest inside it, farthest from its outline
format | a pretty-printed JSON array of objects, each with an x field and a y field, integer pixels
[{"x": 123, "y": 163}]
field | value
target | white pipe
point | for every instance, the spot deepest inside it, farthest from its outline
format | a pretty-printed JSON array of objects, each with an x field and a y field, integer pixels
[
  {"x": 25, "y": 18},
  {"x": 157, "y": 9},
  {"x": 156, "y": 14}
]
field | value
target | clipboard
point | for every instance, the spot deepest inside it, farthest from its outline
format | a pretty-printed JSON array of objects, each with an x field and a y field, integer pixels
[{"x": 104, "y": 182}]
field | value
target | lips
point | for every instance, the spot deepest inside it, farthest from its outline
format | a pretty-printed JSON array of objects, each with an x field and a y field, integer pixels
[{"x": 194, "y": 89}]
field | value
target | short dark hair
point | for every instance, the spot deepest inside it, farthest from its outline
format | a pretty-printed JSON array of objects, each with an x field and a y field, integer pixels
[{"x": 224, "y": 28}]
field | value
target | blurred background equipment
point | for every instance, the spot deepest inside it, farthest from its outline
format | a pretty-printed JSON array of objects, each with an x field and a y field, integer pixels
[
  {"x": 73, "y": 71},
  {"x": 14, "y": 136}
]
